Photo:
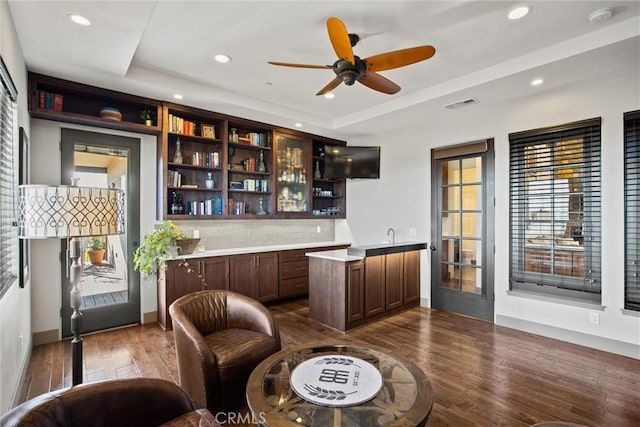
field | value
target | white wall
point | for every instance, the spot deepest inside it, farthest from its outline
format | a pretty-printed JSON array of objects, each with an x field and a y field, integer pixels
[
  {"x": 45, "y": 165},
  {"x": 15, "y": 309},
  {"x": 404, "y": 200}
]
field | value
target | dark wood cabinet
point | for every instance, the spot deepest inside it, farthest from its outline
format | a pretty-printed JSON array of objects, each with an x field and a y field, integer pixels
[
  {"x": 355, "y": 293},
  {"x": 374, "y": 273},
  {"x": 215, "y": 272},
  {"x": 266, "y": 277},
  {"x": 255, "y": 275},
  {"x": 411, "y": 277},
  {"x": 294, "y": 273},
  {"x": 394, "y": 280},
  {"x": 346, "y": 294},
  {"x": 243, "y": 274}
]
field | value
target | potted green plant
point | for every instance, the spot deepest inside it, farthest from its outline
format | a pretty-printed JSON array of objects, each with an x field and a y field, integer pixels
[
  {"x": 164, "y": 242},
  {"x": 95, "y": 249},
  {"x": 148, "y": 116}
]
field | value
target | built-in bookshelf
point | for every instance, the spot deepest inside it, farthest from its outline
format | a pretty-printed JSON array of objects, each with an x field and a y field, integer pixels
[
  {"x": 61, "y": 100},
  {"x": 211, "y": 165}
]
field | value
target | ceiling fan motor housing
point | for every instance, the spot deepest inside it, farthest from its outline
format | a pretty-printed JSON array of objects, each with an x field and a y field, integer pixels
[{"x": 348, "y": 72}]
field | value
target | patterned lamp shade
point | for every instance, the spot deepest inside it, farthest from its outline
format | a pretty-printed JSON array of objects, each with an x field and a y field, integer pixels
[{"x": 62, "y": 211}]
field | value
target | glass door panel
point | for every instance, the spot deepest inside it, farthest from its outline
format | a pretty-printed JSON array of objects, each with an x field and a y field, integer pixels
[
  {"x": 461, "y": 224},
  {"x": 293, "y": 181}
]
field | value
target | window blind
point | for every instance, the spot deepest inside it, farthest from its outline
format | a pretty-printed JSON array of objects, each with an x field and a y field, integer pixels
[
  {"x": 8, "y": 182},
  {"x": 555, "y": 205},
  {"x": 631, "y": 209}
]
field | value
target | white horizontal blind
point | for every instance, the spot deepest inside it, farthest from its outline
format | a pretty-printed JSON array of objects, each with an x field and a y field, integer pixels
[
  {"x": 8, "y": 182},
  {"x": 555, "y": 207},
  {"x": 632, "y": 209}
]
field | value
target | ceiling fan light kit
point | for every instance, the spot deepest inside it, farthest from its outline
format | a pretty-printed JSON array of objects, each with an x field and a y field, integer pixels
[{"x": 350, "y": 68}]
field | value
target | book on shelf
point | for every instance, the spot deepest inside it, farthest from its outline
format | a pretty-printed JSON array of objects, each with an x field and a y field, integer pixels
[
  {"x": 189, "y": 186},
  {"x": 174, "y": 179},
  {"x": 212, "y": 206},
  {"x": 181, "y": 126},
  {"x": 50, "y": 100}
]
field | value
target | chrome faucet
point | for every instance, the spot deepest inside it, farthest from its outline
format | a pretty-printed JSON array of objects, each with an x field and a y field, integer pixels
[{"x": 393, "y": 238}]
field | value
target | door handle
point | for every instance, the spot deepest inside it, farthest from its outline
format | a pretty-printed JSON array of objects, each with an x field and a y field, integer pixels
[{"x": 432, "y": 248}]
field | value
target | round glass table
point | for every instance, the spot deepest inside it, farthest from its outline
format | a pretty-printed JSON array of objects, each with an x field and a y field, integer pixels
[{"x": 406, "y": 396}]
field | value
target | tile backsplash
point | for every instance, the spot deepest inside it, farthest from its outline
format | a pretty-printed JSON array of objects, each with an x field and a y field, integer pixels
[{"x": 225, "y": 234}]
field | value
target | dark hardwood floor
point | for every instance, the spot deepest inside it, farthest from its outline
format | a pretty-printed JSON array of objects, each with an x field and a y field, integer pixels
[{"x": 481, "y": 374}]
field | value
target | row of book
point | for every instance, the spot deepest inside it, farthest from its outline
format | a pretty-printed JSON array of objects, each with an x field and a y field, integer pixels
[
  {"x": 206, "y": 159},
  {"x": 174, "y": 178},
  {"x": 187, "y": 127},
  {"x": 250, "y": 185},
  {"x": 255, "y": 138},
  {"x": 212, "y": 206},
  {"x": 50, "y": 101}
]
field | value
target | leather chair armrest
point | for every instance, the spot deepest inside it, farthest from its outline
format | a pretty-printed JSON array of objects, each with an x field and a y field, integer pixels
[
  {"x": 246, "y": 313},
  {"x": 196, "y": 362}
]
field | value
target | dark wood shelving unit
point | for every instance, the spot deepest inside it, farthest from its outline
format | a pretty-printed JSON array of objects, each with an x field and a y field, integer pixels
[
  {"x": 206, "y": 133},
  {"x": 81, "y": 104}
]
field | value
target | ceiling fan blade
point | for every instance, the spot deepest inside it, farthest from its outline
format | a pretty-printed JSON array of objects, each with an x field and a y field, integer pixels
[
  {"x": 340, "y": 39},
  {"x": 399, "y": 58},
  {"x": 331, "y": 86},
  {"x": 286, "y": 64},
  {"x": 379, "y": 83}
]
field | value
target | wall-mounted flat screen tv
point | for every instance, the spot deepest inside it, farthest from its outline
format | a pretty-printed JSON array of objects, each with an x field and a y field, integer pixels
[{"x": 351, "y": 162}]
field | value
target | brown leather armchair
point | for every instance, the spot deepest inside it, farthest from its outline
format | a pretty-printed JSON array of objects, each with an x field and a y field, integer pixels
[
  {"x": 220, "y": 337},
  {"x": 140, "y": 402}
]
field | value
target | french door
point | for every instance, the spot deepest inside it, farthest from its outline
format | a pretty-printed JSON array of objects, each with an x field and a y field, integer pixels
[
  {"x": 462, "y": 235},
  {"x": 109, "y": 285}
]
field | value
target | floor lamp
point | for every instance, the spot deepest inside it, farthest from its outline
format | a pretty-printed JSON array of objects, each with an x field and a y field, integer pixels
[{"x": 70, "y": 212}]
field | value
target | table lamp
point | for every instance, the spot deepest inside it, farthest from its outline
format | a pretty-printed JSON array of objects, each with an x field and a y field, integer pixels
[{"x": 70, "y": 212}]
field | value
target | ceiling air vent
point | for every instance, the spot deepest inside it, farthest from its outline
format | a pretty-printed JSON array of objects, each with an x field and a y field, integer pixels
[{"x": 461, "y": 103}]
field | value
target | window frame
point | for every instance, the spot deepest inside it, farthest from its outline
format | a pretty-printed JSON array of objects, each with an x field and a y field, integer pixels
[
  {"x": 583, "y": 287},
  {"x": 632, "y": 210},
  {"x": 8, "y": 179}
]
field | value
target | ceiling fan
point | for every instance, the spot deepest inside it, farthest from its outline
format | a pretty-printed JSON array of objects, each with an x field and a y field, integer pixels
[{"x": 349, "y": 68}]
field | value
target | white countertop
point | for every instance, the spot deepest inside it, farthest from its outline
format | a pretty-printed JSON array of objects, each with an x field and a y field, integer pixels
[
  {"x": 334, "y": 255},
  {"x": 257, "y": 249}
]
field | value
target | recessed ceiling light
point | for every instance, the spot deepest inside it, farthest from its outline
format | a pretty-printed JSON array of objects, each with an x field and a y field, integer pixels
[
  {"x": 330, "y": 95},
  {"x": 600, "y": 15},
  {"x": 298, "y": 125},
  {"x": 519, "y": 12},
  {"x": 222, "y": 58},
  {"x": 537, "y": 82},
  {"x": 178, "y": 96},
  {"x": 79, "y": 19}
]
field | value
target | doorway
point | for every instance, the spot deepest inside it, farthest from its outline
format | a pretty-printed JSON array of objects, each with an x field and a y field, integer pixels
[
  {"x": 462, "y": 232},
  {"x": 109, "y": 285}
]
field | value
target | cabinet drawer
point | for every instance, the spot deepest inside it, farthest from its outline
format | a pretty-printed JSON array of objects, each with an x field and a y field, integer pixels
[
  {"x": 292, "y": 269},
  {"x": 295, "y": 255},
  {"x": 295, "y": 286}
]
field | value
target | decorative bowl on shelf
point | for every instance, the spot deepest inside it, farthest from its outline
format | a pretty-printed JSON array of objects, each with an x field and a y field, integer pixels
[{"x": 110, "y": 113}]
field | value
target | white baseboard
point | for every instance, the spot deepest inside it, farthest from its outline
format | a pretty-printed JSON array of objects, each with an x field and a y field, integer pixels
[{"x": 580, "y": 338}]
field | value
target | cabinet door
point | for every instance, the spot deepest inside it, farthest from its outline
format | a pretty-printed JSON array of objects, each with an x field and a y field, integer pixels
[
  {"x": 394, "y": 285},
  {"x": 215, "y": 271},
  {"x": 293, "y": 174},
  {"x": 411, "y": 277},
  {"x": 183, "y": 280},
  {"x": 355, "y": 293},
  {"x": 374, "y": 283},
  {"x": 267, "y": 277},
  {"x": 242, "y": 274}
]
